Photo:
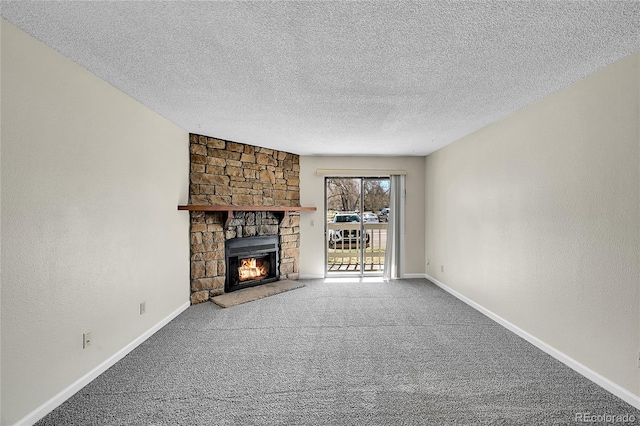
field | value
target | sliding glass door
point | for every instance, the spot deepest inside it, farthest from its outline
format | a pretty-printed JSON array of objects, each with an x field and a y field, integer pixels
[{"x": 355, "y": 232}]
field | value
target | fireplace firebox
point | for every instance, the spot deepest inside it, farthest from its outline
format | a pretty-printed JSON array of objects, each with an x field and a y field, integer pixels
[{"x": 251, "y": 261}]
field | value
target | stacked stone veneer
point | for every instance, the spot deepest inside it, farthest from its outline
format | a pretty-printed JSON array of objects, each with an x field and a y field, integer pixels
[{"x": 226, "y": 173}]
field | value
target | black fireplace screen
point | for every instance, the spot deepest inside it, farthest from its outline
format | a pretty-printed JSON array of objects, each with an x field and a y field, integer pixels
[{"x": 251, "y": 261}]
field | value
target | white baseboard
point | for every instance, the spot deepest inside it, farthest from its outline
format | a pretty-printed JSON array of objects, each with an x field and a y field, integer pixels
[
  {"x": 321, "y": 276},
  {"x": 409, "y": 276},
  {"x": 311, "y": 276},
  {"x": 67, "y": 393},
  {"x": 597, "y": 378}
]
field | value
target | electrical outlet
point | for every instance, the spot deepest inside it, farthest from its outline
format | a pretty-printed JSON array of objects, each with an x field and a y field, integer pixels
[
  {"x": 313, "y": 222},
  {"x": 441, "y": 268},
  {"x": 86, "y": 339},
  {"x": 143, "y": 307}
]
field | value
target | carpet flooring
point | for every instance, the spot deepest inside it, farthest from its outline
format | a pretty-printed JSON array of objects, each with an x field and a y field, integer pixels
[{"x": 398, "y": 353}]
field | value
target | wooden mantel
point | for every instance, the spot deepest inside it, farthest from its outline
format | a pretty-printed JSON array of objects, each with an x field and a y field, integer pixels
[{"x": 230, "y": 209}]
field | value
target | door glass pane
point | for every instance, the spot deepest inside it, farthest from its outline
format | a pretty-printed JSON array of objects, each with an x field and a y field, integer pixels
[
  {"x": 375, "y": 195},
  {"x": 343, "y": 240}
]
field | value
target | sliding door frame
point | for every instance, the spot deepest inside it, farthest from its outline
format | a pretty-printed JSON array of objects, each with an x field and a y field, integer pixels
[{"x": 360, "y": 273}]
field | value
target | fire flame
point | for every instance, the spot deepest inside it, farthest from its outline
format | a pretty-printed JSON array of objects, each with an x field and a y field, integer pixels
[{"x": 250, "y": 270}]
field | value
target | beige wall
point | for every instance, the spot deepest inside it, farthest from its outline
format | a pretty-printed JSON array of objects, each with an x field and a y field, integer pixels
[
  {"x": 91, "y": 181},
  {"x": 536, "y": 218},
  {"x": 312, "y": 194}
]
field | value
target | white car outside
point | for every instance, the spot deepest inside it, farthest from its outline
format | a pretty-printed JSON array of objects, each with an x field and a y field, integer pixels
[{"x": 370, "y": 218}]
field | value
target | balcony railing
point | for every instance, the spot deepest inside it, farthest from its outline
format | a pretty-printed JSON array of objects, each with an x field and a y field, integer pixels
[{"x": 344, "y": 244}]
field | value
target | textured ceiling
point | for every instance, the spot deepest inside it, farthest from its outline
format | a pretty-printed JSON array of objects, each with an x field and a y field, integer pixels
[{"x": 365, "y": 78}]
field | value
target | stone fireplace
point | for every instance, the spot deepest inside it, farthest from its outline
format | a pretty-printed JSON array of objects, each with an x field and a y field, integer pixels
[{"x": 235, "y": 175}]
